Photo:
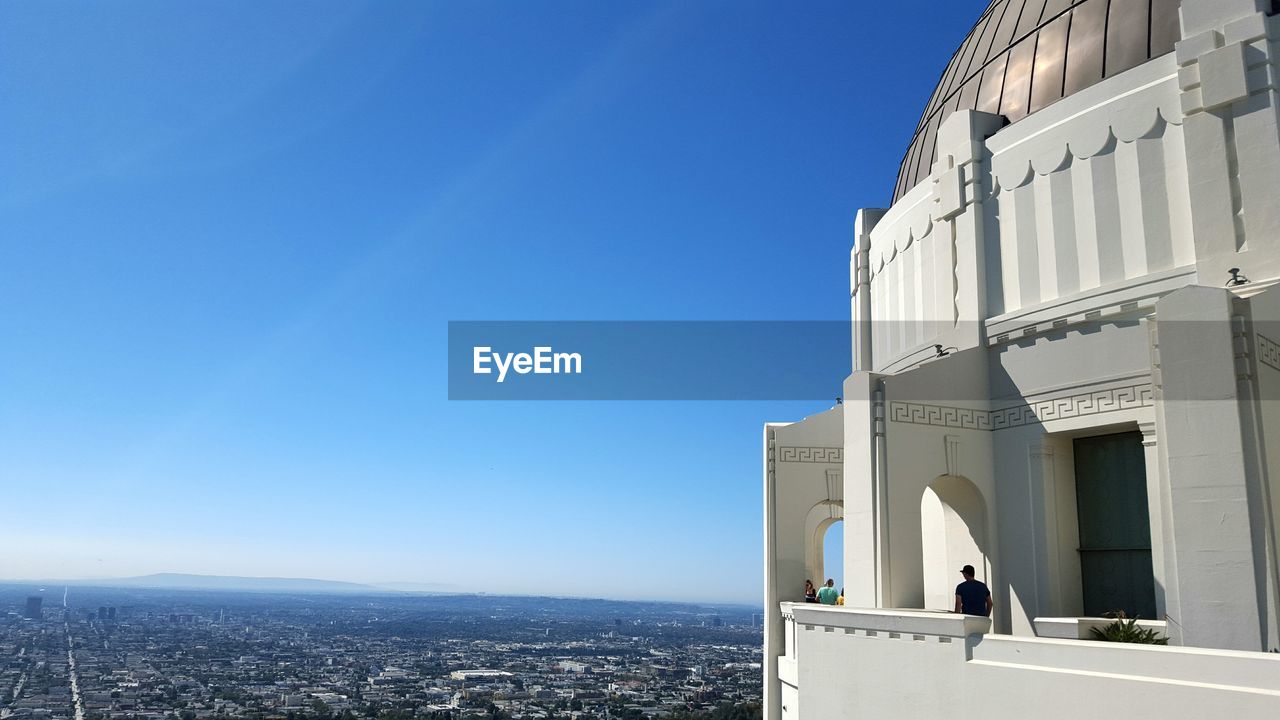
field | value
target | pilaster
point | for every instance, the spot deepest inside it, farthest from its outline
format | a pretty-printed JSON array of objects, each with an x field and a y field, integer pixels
[
  {"x": 1213, "y": 564},
  {"x": 860, "y": 287},
  {"x": 1228, "y": 77},
  {"x": 864, "y": 521},
  {"x": 958, "y": 193},
  {"x": 1156, "y": 490}
]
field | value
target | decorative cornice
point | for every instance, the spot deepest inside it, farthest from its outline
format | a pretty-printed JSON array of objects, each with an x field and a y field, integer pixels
[
  {"x": 1059, "y": 408},
  {"x": 1088, "y": 124},
  {"x": 811, "y": 454}
]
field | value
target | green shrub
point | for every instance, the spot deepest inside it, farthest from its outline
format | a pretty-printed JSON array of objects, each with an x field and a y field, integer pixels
[{"x": 1127, "y": 631}]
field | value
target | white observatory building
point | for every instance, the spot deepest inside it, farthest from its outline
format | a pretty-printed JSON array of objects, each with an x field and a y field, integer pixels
[{"x": 1065, "y": 372}]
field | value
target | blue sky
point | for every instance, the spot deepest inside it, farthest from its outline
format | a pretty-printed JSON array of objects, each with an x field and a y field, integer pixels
[{"x": 232, "y": 234}]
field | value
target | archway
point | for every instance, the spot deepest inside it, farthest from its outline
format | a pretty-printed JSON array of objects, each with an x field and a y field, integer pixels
[
  {"x": 833, "y": 553},
  {"x": 953, "y": 533},
  {"x": 821, "y": 518}
]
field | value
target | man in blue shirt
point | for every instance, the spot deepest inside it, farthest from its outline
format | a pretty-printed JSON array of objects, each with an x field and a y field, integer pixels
[{"x": 972, "y": 596}]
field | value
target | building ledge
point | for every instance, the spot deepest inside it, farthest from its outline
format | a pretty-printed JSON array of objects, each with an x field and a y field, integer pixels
[
  {"x": 1081, "y": 628},
  {"x": 891, "y": 621}
]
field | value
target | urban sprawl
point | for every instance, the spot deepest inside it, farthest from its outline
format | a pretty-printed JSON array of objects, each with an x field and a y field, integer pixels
[{"x": 99, "y": 654}]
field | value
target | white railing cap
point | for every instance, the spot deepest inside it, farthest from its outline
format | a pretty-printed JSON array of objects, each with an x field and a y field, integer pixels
[{"x": 899, "y": 620}]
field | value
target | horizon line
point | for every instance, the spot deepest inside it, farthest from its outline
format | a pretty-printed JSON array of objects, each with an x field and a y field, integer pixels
[{"x": 358, "y": 587}]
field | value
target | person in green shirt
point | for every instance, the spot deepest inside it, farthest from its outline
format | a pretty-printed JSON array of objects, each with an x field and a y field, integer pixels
[{"x": 828, "y": 594}]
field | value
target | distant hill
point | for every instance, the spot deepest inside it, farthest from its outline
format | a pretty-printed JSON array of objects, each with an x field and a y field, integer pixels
[
  {"x": 416, "y": 587},
  {"x": 180, "y": 581},
  {"x": 437, "y": 592}
]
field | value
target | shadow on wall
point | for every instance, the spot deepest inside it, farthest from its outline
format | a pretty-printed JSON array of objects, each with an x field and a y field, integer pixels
[{"x": 953, "y": 527}]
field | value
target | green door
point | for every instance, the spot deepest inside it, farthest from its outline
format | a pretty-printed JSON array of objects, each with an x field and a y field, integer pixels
[{"x": 1115, "y": 529}]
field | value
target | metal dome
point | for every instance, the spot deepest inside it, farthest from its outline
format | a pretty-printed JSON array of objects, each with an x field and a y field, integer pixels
[{"x": 1022, "y": 55}]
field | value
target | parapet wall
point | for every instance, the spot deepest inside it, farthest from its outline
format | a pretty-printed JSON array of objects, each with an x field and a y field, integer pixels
[{"x": 850, "y": 663}]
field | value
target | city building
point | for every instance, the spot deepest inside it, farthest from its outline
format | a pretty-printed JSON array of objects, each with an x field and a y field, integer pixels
[
  {"x": 33, "y": 611},
  {"x": 1066, "y": 373}
]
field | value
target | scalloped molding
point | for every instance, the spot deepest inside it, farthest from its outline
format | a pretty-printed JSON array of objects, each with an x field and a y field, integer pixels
[
  {"x": 908, "y": 221},
  {"x": 1082, "y": 126},
  {"x": 1143, "y": 112}
]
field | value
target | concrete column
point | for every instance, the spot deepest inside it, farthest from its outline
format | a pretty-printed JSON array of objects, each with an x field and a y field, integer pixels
[
  {"x": 1263, "y": 416},
  {"x": 863, "y": 514},
  {"x": 773, "y": 626},
  {"x": 1212, "y": 569},
  {"x": 1040, "y": 478},
  {"x": 860, "y": 288},
  {"x": 1254, "y": 441},
  {"x": 1156, "y": 503},
  {"x": 885, "y": 595}
]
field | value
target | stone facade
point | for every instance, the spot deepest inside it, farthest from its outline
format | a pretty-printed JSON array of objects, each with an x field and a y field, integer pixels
[{"x": 1054, "y": 281}]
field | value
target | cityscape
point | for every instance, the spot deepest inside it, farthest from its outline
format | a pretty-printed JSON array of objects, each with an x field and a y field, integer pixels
[{"x": 97, "y": 653}]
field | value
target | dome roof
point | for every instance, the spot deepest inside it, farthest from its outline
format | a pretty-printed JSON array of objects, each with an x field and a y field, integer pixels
[{"x": 1022, "y": 55}]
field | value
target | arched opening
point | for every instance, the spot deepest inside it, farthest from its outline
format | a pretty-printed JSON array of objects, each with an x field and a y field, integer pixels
[
  {"x": 822, "y": 517},
  {"x": 833, "y": 553},
  {"x": 953, "y": 533}
]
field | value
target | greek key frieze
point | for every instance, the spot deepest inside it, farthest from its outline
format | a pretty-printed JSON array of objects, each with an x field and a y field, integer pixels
[
  {"x": 1269, "y": 352},
  {"x": 943, "y": 415},
  {"x": 811, "y": 454},
  {"x": 1070, "y": 406}
]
